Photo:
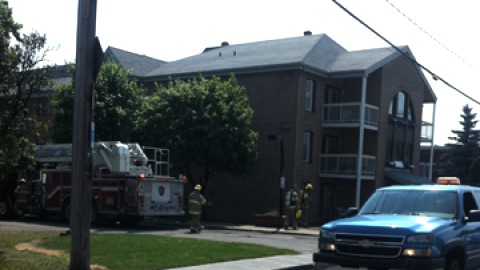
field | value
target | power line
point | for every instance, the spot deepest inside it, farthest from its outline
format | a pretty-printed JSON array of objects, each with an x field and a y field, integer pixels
[
  {"x": 434, "y": 76},
  {"x": 428, "y": 34}
]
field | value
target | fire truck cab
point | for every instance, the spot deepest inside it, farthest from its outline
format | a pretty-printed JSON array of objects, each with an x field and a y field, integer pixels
[{"x": 129, "y": 183}]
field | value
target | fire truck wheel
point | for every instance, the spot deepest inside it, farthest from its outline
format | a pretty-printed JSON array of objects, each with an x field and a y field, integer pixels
[
  {"x": 93, "y": 212},
  {"x": 130, "y": 221},
  {"x": 66, "y": 210},
  {"x": 5, "y": 210}
]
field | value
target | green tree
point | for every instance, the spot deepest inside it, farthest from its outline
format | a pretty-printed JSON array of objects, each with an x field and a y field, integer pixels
[
  {"x": 206, "y": 123},
  {"x": 474, "y": 176},
  {"x": 458, "y": 159},
  {"x": 20, "y": 77},
  {"x": 62, "y": 104},
  {"x": 118, "y": 101}
]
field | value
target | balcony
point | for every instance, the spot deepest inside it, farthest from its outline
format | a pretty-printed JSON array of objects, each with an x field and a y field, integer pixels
[
  {"x": 345, "y": 166},
  {"x": 348, "y": 115}
]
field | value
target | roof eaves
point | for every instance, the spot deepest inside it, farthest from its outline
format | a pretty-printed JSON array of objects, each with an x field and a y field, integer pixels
[
  {"x": 428, "y": 87},
  {"x": 348, "y": 74},
  {"x": 111, "y": 53},
  {"x": 238, "y": 71}
]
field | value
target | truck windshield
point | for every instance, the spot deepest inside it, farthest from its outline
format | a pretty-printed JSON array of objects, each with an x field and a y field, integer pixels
[{"x": 432, "y": 203}]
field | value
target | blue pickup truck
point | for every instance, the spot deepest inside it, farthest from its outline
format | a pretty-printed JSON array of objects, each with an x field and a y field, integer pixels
[{"x": 433, "y": 226}]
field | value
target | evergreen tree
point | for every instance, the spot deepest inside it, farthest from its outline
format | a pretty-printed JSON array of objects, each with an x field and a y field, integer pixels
[
  {"x": 474, "y": 177},
  {"x": 458, "y": 159}
]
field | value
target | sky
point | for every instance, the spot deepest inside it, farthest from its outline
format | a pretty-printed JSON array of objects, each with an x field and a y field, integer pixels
[{"x": 442, "y": 34}]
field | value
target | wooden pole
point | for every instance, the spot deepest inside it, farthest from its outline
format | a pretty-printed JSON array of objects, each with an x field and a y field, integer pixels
[{"x": 81, "y": 201}]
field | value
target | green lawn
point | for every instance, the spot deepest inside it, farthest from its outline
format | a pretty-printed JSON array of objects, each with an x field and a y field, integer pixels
[{"x": 126, "y": 251}]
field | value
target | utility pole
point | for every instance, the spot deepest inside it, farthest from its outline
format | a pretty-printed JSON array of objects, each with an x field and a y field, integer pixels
[{"x": 81, "y": 201}]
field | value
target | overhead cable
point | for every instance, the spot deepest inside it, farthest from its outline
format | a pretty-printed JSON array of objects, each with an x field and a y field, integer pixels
[
  {"x": 434, "y": 76},
  {"x": 428, "y": 34}
]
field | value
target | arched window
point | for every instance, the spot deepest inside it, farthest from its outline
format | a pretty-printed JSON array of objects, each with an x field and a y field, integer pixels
[
  {"x": 401, "y": 130},
  {"x": 401, "y": 107}
]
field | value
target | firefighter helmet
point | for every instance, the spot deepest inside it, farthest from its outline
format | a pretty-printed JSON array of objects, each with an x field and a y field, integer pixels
[
  {"x": 308, "y": 186},
  {"x": 22, "y": 181},
  {"x": 198, "y": 187}
]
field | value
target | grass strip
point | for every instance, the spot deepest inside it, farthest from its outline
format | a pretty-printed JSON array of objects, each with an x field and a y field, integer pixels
[{"x": 127, "y": 251}]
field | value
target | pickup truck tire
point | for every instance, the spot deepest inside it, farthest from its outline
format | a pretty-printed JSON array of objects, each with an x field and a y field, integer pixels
[{"x": 453, "y": 264}]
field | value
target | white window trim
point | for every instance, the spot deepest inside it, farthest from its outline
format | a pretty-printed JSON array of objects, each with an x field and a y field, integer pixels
[
  {"x": 309, "y": 95},
  {"x": 307, "y": 146}
]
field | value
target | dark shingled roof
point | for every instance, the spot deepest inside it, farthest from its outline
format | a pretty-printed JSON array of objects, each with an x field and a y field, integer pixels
[
  {"x": 138, "y": 64},
  {"x": 318, "y": 54},
  {"x": 317, "y": 51}
]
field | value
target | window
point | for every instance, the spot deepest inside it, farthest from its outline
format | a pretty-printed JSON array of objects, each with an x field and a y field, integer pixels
[
  {"x": 43, "y": 107},
  {"x": 401, "y": 107},
  {"x": 401, "y": 129},
  {"x": 332, "y": 95},
  {"x": 307, "y": 146},
  {"x": 310, "y": 96},
  {"x": 329, "y": 145}
]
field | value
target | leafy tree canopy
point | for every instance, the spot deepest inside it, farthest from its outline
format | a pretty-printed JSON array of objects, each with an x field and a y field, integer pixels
[
  {"x": 205, "y": 123},
  {"x": 118, "y": 101},
  {"x": 457, "y": 161},
  {"x": 20, "y": 77}
]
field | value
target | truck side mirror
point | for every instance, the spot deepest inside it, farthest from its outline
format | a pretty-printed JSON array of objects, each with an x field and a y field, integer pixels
[
  {"x": 473, "y": 216},
  {"x": 351, "y": 211}
]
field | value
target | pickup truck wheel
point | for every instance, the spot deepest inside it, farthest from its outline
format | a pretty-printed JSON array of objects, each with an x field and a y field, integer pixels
[{"x": 453, "y": 264}]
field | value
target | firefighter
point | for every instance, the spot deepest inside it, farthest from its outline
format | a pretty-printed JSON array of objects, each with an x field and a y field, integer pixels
[
  {"x": 21, "y": 198},
  {"x": 292, "y": 204},
  {"x": 195, "y": 203},
  {"x": 306, "y": 204}
]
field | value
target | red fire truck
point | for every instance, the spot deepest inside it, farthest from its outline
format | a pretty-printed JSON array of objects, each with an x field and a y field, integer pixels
[{"x": 129, "y": 183}]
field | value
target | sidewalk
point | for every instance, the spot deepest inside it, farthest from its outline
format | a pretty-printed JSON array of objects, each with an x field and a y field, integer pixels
[
  {"x": 243, "y": 227},
  {"x": 291, "y": 262},
  {"x": 284, "y": 262},
  {"x": 313, "y": 230}
]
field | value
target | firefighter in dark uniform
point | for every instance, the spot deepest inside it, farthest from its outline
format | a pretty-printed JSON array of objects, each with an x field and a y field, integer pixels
[
  {"x": 195, "y": 205},
  {"x": 292, "y": 203},
  {"x": 21, "y": 198}
]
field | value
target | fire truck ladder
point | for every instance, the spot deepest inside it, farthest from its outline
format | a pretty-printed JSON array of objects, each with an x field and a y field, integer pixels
[{"x": 158, "y": 160}]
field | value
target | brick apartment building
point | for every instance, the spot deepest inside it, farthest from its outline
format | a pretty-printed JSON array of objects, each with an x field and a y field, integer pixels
[{"x": 307, "y": 94}]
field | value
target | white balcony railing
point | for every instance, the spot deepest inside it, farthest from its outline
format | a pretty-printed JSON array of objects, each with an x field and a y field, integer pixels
[
  {"x": 346, "y": 114},
  {"x": 346, "y": 164}
]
